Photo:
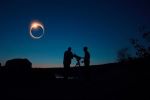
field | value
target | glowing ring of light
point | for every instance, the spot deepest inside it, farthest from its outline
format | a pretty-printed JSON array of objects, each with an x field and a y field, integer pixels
[{"x": 35, "y": 25}]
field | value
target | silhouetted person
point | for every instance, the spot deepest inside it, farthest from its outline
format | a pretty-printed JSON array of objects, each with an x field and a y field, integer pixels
[
  {"x": 86, "y": 57},
  {"x": 68, "y": 56},
  {"x": 87, "y": 63}
]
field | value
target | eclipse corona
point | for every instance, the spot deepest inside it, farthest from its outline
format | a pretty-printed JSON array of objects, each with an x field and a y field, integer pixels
[{"x": 35, "y": 25}]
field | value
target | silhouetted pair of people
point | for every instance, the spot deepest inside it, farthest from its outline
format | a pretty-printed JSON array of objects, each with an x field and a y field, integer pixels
[{"x": 68, "y": 56}]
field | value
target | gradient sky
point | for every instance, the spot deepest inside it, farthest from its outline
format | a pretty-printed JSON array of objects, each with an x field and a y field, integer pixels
[{"x": 104, "y": 26}]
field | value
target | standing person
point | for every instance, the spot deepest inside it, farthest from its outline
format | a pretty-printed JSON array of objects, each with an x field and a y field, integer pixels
[
  {"x": 68, "y": 56},
  {"x": 87, "y": 64},
  {"x": 86, "y": 57}
]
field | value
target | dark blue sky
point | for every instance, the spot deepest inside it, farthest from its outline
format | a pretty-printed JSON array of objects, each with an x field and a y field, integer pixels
[{"x": 104, "y": 26}]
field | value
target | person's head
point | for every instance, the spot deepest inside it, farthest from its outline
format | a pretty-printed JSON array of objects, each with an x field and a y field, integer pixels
[
  {"x": 85, "y": 49},
  {"x": 69, "y": 48}
]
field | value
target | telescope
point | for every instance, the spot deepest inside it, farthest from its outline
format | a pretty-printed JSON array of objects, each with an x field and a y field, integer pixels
[{"x": 78, "y": 58}]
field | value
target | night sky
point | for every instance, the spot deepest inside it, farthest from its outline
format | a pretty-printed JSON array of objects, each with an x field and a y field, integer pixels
[{"x": 105, "y": 26}]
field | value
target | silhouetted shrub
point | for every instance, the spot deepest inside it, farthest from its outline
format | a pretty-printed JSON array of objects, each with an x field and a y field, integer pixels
[
  {"x": 146, "y": 36},
  {"x": 123, "y": 55},
  {"x": 141, "y": 51},
  {"x": 18, "y": 65}
]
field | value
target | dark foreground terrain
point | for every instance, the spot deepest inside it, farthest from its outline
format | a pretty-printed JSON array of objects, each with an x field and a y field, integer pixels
[{"x": 116, "y": 81}]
